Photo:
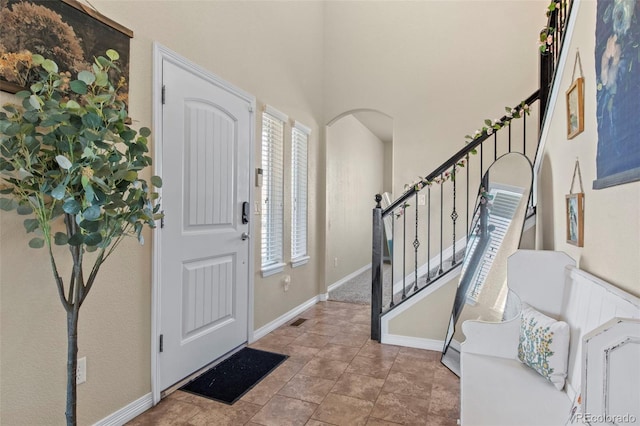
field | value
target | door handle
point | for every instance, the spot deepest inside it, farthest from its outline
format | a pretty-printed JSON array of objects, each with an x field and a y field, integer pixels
[
  {"x": 245, "y": 212},
  {"x": 244, "y": 236}
]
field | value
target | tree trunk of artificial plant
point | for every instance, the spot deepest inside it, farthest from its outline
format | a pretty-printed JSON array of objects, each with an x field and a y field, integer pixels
[
  {"x": 72, "y": 363},
  {"x": 78, "y": 290}
]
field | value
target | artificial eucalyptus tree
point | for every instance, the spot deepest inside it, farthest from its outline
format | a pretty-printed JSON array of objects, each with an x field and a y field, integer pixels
[{"x": 71, "y": 164}]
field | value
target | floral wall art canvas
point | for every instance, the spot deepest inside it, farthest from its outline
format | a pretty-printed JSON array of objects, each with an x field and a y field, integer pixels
[{"x": 617, "y": 58}]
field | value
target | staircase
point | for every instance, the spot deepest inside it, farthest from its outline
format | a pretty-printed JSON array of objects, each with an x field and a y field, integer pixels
[{"x": 427, "y": 227}]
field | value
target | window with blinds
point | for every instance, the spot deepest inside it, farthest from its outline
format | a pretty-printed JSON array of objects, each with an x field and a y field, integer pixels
[
  {"x": 272, "y": 191},
  {"x": 299, "y": 149}
]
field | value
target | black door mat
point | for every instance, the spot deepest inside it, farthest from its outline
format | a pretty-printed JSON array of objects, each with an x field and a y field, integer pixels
[{"x": 235, "y": 376}]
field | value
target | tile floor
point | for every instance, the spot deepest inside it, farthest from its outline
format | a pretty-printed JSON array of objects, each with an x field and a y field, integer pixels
[{"x": 335, "y": 375}]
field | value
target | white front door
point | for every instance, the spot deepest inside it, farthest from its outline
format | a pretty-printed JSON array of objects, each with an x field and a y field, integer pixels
[{"x": 204, "y": 250}]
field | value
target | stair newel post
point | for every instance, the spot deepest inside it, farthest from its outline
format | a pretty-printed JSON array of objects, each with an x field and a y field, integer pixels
[{"x": 376, "y": 270}]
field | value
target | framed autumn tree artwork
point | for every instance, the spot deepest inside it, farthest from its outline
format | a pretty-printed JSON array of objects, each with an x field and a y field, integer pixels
[{"x": 66, "y": 31}]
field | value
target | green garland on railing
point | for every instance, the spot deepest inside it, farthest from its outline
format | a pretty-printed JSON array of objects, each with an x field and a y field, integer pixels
[
  {"x": 490, "y": 127},
  {"x": 546, "y": 39},
  {"x": 547, "y": 33},
  {"x": 494, "y": 125}
]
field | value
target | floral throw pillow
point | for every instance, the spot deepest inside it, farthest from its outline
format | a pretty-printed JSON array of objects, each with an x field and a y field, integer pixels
[{"x": 544, "y": 345}]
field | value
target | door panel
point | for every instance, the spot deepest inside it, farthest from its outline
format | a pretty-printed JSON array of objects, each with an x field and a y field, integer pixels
[
  {"x": 204, "y": 261},
  {"x": 207, "y": 295},
  {"x": 209, "y": 144}
]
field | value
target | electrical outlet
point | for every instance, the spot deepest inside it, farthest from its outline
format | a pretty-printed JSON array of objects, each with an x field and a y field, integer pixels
[
  {"x": 335, "y": 262},
  {"x": 422, "y": 199},
  {"x": 81, "y": 370}
]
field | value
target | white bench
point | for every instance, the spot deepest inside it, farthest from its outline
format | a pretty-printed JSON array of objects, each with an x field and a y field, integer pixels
[{"x": 496, "y": 388}]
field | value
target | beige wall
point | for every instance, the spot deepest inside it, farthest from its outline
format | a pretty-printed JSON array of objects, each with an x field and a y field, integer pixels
[
  {"x": 388, "y": 167},
  {"x": 439, "y": 68},
  {"x": 355, "y": 159},
  {"x": 258, "y": 47},
  {"x": 414, "y": 323},
  {"x": 612, "y": 223}
]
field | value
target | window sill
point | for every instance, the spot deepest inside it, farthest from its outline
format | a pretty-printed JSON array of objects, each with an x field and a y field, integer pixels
[
  {"x": 300, "y": 261},
  {"x": 272, "y": 269}
]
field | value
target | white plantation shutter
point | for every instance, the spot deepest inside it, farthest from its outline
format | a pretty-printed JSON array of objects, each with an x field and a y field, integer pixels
[
  {"x": 299, "y": 150},
  {"x": 503, "y": 208},
  {"x": 272, "y": 190}
]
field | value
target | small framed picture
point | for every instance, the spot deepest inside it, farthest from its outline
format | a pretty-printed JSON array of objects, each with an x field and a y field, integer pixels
[
  {"x": 575, "y": 108},
  {"x": 575, "y": 219}
]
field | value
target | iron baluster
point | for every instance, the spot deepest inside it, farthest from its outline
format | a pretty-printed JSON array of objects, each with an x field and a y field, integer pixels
[
  {"x": 393, "y": 234},
  {"x": 441, "y": 218},
  {"x": 558, "y": 34},
  {"x": 509, "y": 126},
  {"x": 495, "y": 146},
  {"x": 429, "y": 234},
  {"x": 481, "y": 155},
  {"x": 524, "y": 133},
  {"x": 404, "y": 251},
  {"x": 416, "y": 244},
  {"x": 454, "y": 214},
  {"x": 467, "y": 231}
]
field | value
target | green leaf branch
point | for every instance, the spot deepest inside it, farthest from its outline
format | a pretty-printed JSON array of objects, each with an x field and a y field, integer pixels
[
  {"x": 69, "y": 161},
  {"x": 548, "y": 33},
  {"x": 488, "y": 129}
]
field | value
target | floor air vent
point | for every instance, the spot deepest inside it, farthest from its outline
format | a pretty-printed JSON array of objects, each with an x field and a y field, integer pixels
[{"x": 298, "y": 322}]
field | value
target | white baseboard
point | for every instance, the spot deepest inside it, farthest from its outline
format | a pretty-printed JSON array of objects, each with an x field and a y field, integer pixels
[
  {"x": 324, "y": 297},
  {"x": 283, "y": 319},
  {"x": 348, "y": 277},
  {"x": 128, "y": 412},
  {"x": 413, "y": 342}
]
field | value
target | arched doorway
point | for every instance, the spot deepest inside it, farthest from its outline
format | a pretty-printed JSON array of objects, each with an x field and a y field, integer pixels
[{"x": 359, "y": 165}]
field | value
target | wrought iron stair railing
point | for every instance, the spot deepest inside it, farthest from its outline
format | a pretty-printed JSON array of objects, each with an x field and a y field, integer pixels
[
  {"x": 428, "y": 218},
  {"x": 434, "y": 231}
]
